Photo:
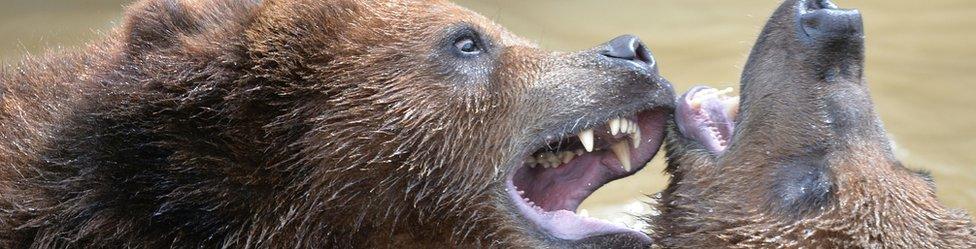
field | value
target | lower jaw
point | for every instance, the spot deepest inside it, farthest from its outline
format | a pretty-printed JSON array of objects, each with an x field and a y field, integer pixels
[{"x": 565, "y": 224}]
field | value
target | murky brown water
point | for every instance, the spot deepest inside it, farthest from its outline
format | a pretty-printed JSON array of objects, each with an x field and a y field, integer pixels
[{"x": 920, "y": 63}]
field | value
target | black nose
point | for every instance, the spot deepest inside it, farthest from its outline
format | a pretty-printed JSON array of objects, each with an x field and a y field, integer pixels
[
  {"x": 630, "y": 49},
  {"x": 822, "y": 19}
]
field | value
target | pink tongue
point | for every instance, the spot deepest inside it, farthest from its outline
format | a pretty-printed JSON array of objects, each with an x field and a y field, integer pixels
[
  {"x": 567, "y": 225},
  {"x": 565, "y": 187}
]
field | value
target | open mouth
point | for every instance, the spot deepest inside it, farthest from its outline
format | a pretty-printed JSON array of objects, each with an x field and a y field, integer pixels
[
  {"x": 549, "y": 186},
  {"x": 707, "y": 115}
]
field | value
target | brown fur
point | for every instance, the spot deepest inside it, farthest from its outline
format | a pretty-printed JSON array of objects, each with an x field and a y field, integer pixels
[
  {"x": 289, "y": 124},
  {"x": 809, "y": 165}
]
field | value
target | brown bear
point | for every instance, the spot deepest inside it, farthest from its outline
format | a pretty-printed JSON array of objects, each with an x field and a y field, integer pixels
[
  {"x": 802, "y": 161},
  {"x": 321, "y": 124}
]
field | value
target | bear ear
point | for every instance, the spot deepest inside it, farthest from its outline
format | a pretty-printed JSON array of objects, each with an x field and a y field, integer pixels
[{"x": 158, "y": 24}]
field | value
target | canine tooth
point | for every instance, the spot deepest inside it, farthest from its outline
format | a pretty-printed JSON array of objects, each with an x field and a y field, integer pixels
[
  {"x": 614, "y": 126},
  {"x": 731, "y": 106},
  {"x": 583, "y": 213},
  {"x": 586, "y": 137},
  {"x": 568, "y": 156},
  {"x": 622, "y": 151},
  {"x": 635, "y": 137}
]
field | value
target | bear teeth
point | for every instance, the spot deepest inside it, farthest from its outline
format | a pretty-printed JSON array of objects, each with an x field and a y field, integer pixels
[
  {"x": 614, "y": 126},
  {"x": 586, "y": 137},
  {"x": 621, "y": 149},
  {"x": 696, "y": 100},
  {"x": 551, "y": 159},
  {"x": 731, "y": 106},
  {"x": 626, "y": 126}
]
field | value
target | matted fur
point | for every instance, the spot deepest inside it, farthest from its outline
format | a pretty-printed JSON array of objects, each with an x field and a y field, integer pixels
[
  {"x": 287, "y": 124},
  {"x": 809, "y": 164}
]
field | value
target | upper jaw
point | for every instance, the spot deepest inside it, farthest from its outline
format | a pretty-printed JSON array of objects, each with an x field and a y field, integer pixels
[
  {"x": 661, "y": 102},
  {"x": 662, "y": 99}
]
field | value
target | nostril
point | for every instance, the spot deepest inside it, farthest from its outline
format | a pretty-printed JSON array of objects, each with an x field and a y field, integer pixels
[
  {"x": 623, "y": 47},
  {"x": 644, "y": 54},
  {"x": 630, "y": 48}
]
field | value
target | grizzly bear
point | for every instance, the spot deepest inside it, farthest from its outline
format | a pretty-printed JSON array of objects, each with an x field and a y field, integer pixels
[
  {"x": 802, "y": 160},
  {"x": 321, "y": 124}
]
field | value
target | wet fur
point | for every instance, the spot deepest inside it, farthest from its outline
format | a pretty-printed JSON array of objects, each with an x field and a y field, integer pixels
[
  {"x": 809, "y": 166},
  {"x": 707, "y": 208},
  {"x": 289, "y": 124},
  {"x": 191, "y": 127}
]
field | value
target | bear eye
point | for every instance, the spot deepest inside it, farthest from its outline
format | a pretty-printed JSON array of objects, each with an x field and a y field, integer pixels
[{"x": 467, "y": 45}]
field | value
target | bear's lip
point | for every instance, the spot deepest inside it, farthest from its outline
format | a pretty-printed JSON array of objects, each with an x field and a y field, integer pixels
[
  {"x": 707, "y": 115},
  {"x": 548, "y": 195}
]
